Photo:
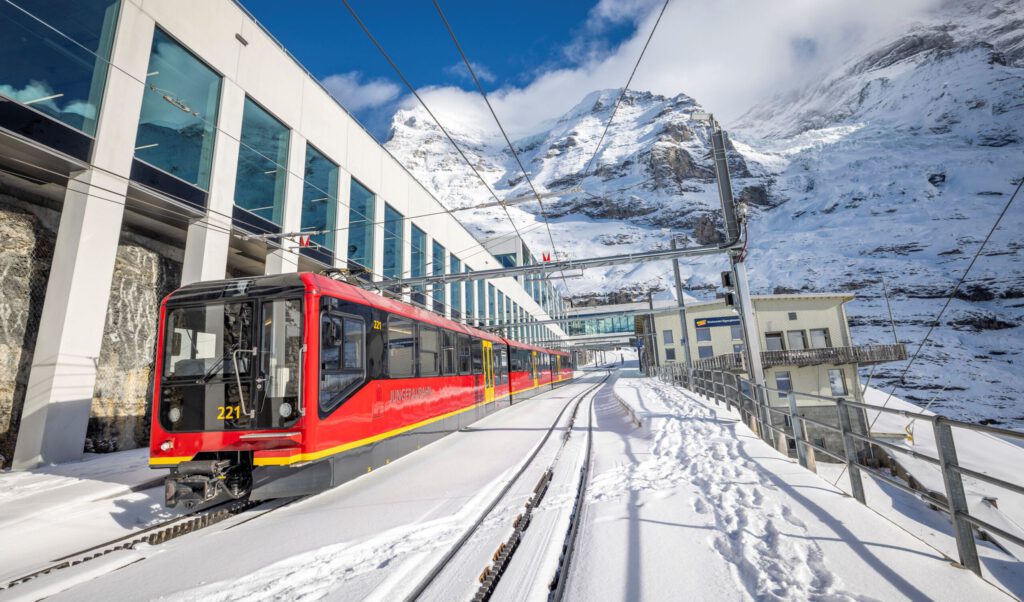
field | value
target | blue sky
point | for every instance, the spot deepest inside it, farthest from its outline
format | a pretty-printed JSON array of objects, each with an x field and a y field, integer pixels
[
  {"x": 508, "y": 46},
  {"x": 539, "y": 59}
]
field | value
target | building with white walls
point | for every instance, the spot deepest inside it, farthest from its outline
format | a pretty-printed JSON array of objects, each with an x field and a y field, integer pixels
[{"x": 140, "y": 142}]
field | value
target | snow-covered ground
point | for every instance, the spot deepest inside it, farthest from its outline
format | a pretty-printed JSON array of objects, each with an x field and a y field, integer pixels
[{"x": 690, "y": 504}]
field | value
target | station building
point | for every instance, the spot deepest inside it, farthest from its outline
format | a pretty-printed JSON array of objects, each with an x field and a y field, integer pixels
[
  {"x": 147, "y": 144},
  {"x": 807, "y": 348}
]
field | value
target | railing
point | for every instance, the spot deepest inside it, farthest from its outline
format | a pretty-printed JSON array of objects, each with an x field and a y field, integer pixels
[
  {"x": 860, "y": 354},
  {"x": 752, "y": 402}
]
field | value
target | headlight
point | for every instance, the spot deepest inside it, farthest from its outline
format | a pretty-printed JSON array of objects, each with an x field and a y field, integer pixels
[
  {"x": 285, "y": 409},
  {"x": 174, "y": 414}
]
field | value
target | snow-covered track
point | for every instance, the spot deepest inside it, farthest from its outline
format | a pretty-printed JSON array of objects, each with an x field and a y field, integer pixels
[
  {"x": 155, "y": 535},
  {"x": 492, "y": 572}
]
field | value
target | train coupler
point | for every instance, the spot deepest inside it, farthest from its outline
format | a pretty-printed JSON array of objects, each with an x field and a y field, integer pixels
[{"x": 198, "y": 482}]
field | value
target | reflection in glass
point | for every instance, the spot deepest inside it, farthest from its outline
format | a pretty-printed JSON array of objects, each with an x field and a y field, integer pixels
[
  {"x": 438, "y": 270},
  {"x": 179, "y": 113},
  {"x": 418, "y": 255},
  {"x": 392, "y": 242},
  {"x": 262, "y": 164},
  {"x": 360, "y": 225},
  {"x": 454, "y": 267},
  {"x": 52, "y": 74},
  {"x": 319, "y": 198}
]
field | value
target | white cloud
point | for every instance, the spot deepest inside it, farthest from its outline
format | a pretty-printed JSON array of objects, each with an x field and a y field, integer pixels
[
  {"x": 459, "y": 70},
  {"x": 356, "y": 94},
  {"x": 729, "y": 55}
]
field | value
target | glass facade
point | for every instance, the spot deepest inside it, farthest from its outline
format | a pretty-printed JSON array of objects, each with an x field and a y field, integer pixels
[
  {"x": 481, "y": 302},
  {"x": 604, "y": 325},
  {"x": 418, "y": 261},
  {"x": 492, "y": 316},
  {"x": 52, "y": 74},
  {"x": 362, "y": 204},
  {"x": 455, "y": 267},
  {"x": 178, "y": 122},
  {"x": 319, "y": 198},
  {"x": 470, "y": 306},
  {"x": 393, "y": 224},
  {"x": 262, "y": 164},
  {"x": 437, "y": 252}
]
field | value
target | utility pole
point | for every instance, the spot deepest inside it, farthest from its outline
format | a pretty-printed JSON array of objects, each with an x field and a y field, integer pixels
[
  {"x": 655, "y": 362},
  {"x": 683, "y": 338},
  {"x": 748, "y": 319}
]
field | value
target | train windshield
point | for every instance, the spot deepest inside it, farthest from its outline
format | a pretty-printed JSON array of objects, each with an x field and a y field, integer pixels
[{"x": 224, "y": 369}]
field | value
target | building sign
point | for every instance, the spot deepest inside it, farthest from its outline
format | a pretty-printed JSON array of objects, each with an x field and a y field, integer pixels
[{"x": 712, "y": 322}]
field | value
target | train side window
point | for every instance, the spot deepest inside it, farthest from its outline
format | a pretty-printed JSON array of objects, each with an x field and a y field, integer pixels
[
  {"x": 477, "y": 355},
  {"x": 429, "y": 344},
  {"x": 342, "y": 350},
  {"x": 501, "y": 364},
  {"x": 465, "y": 351},
  {"x": 401, "y": 348},
  {"x": 448, "y": 366}
]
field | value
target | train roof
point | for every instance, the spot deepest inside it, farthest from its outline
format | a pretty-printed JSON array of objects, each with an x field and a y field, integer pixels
[{"x": 301, "y": 282}]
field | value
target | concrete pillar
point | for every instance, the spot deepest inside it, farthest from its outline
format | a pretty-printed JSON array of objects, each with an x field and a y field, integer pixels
[
  {"x": 206, "y": 246},
  {"x": 286, "y": 259},
  {"x": 63, "y": 373}
]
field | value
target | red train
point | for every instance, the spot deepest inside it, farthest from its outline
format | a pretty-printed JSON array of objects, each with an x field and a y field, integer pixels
[{"x": 285, "y": 385}]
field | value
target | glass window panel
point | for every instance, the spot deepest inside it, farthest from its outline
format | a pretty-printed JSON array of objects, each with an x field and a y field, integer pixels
[
  {"x": 703, "y": 334},
  {"x": 438, "y": 261},
  {"x": 262, "y": 164},
  {"x": 736, "y": 331},
  {"x": 455, "y": 267},
  {"x": 393, "y": 225},
  {"x": 783, "y": 383},
  {"x": 319, "y": 198},
  {"x": 670, "y": 354},
  {"x": 705, "y": 351},
  {"x": 491, "y": 302},
  {"x": 837, "y": 381},
  {"x": 401, "y": 347},
  {"x": 52, "y": 74},
  {"x": 667, "y": 337},
  {"x": 429, "y": 350},
  {"x": 796, "y": 339},
  {"x": 773, "y": 341},
  {"x": 179, "y": 113},
  {"x": 470, "y": 295},
  {"x": 362, "y": 204},
  {"x": 820, "y": 338},
  {"x": 418, "y": 269}
]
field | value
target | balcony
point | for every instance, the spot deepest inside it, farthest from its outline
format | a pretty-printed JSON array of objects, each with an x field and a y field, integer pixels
[{"x": 860, "y": 354}]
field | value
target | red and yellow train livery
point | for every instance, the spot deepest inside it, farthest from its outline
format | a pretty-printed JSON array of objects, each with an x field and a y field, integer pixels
[{"x": 285, "y": 385}]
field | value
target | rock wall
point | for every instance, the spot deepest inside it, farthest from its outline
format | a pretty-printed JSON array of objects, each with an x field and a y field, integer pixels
[{"x": 145, "y": 271}]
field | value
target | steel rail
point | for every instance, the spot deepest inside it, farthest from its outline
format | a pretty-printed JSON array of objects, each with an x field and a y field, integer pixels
[{"x": 439, "y": 567}]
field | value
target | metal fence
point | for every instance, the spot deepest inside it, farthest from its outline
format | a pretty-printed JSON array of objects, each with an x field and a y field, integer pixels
[{"x": 752, "y": 401}]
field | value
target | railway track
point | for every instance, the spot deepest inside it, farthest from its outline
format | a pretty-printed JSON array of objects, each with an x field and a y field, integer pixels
[
  {"x": 155, "y": 535},
  {"x": 494, "y": 568}
]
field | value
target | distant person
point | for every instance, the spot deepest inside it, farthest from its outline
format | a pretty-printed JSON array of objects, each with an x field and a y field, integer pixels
[{"x": 622, "y": 358}]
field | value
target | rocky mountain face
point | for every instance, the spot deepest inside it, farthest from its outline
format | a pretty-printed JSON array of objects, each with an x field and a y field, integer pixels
[{"x": 886, "y": 175}]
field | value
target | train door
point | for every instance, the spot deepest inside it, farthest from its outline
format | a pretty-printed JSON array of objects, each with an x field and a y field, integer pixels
[
  {"x": 488, "y": 371},
  {"x": 558, "y": 367},
  {"x": 533, "y": 368}
]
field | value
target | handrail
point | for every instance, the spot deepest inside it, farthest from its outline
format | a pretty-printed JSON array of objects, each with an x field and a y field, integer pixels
[{"x": 723, "y": 386}]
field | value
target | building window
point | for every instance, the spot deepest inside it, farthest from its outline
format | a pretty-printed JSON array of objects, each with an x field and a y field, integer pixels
[
  {"x": 670, "y": 354},
  {"x": 507, "y": 260},
  {"x": 665, "y": 335},
  {"x": 783, "y": 383},
  {"x": 773, "y": 341},
  {"x": 262, "y": 164},
  {"x": 319, "y": 198},
  {"x": 438, "y": 270},
  {"x": 705, "y": 352},
  {"x": 418, "y": 259},
  {"x": 52, "y": 74},
  {"x": 792, "y": 315},
  {"x": 796, "y": 340},
  {"x": 820, "y": 338},
  {"x": 455, "y": 267},
  {"x": 703, "y": 334},
  {"x": 178, "y": 122},
  {"x": 470, "y": 296},
  {"x": 393, "y": 224},
  {"x": 361, "y": 206},
  {"x": 491, "y": 302},
  {"x": 837, "y": 380},
  {"x": 737, "y": 347},
  {"x": 736, "y": 331},
  {"x": 401, "y": 347},
  {"x": 501, "y": 309}
]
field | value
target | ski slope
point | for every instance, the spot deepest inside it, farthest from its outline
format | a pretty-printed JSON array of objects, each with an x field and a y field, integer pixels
[{"x": 690, "y": 505}]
